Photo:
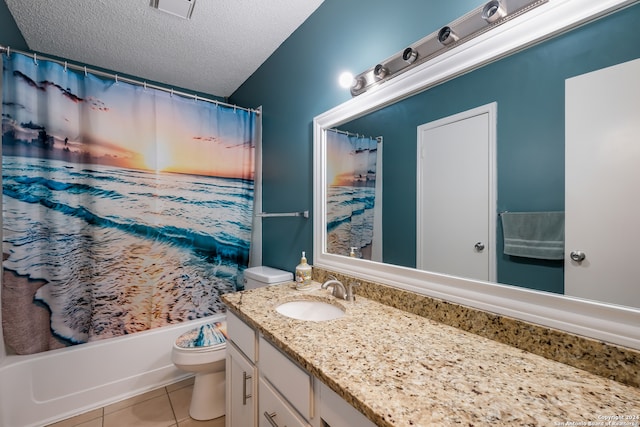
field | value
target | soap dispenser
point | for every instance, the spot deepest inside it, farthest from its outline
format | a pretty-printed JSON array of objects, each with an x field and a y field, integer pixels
[{"x": 303, "y": 274}]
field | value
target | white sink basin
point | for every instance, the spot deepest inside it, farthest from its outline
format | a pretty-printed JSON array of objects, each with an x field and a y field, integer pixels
[{"x": 316, "y": 311}]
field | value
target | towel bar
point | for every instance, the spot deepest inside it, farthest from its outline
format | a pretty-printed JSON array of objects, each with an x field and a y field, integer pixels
[{"x": 273, "y": 215}]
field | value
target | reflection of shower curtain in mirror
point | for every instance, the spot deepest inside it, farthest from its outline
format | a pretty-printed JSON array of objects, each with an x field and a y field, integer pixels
[
  {"x": 351, "y": 193},
  {"x": 124, "y": 208}
]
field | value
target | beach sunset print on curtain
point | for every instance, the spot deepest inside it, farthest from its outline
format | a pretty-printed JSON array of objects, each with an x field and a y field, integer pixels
[
  {"x": 124, "y": 208},
  {"x": 351, "y": 193}
]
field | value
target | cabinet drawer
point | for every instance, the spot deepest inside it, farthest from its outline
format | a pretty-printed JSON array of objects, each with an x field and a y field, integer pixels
[
  {"x": 335, "y": 412},
  {"x": 274, "y": 411},
  {"x": 293, "y": 383},
  {"x": 242, "y": 335}
]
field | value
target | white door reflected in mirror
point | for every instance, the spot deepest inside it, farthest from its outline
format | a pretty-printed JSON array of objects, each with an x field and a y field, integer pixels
[
  {"x": 455, "y": 200},
  {"x": 602, "y": 158}
]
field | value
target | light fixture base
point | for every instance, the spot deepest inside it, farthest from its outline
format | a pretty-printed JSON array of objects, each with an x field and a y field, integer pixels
[
  {"x": 181, "y": 8},
  {"x": 463, "y": 29}
]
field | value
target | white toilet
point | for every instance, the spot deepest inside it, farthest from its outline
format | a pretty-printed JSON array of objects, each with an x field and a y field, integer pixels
[{"x": 202, "y": 350}]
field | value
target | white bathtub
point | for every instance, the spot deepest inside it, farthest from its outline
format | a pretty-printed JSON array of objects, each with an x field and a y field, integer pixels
[{"x": 40, "y": 389}]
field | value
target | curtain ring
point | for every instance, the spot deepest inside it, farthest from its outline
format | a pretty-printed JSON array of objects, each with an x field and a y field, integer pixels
[
  {"x": 65, "y": 66},
  {"x": 8, "y": 52},
  {"x": 35, "y": 59},
  {"x": 145, "y": 85},
  {"x": 85, "y": 71},
  {"x": 171, "y": 94},
  {"x": 195, "y": 97},
  {"x": 116, "y": 79}
]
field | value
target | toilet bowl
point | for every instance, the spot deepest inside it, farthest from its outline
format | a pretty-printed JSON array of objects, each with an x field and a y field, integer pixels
[{"x": 202, "y": 350}]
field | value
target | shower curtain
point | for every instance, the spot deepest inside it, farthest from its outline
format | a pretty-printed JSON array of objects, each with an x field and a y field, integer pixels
[
  {"x": 124, "y": 208},
  {"x": 352, "y": 208}
]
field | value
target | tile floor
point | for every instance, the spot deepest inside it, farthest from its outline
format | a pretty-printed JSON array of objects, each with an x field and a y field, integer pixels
[{"x": 164, "y": 407}]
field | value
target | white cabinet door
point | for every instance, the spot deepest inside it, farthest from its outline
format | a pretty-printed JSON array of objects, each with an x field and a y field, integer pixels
[
  {"x": 602, "y": 176},
  {"x": 241, "y": 389},
  {"x": 274, "y": 411},
  {"x": 456, "y": 195}
]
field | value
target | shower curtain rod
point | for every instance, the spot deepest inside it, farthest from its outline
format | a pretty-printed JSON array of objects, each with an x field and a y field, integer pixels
[
  {"x": 7, "y": 50},
  {"x": 346, "y": 132}
]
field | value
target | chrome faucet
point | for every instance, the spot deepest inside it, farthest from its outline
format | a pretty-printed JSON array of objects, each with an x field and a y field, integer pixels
[
  {"x": 351, "y": 296},
  {"x": 338, "y": 291}
]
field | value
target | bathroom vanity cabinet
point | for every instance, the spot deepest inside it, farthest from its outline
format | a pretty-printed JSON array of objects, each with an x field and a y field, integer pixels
[
  {"x": 239, "y": 389},
  {"x": 285, "y": 390},
  {"x": 379, "y": 365},
  {"x": 241, "y": 372},
  {"x": 266, "y": 388}
]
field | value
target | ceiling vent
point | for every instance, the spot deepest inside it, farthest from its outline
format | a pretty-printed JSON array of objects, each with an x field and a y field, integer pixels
[{"x": 181, "y": 8}]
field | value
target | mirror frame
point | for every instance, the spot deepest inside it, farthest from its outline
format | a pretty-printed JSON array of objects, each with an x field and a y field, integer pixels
[{"x": 607, "y": 322}]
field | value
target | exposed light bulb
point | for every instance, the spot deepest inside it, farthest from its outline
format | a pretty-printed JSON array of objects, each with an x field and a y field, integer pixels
[{"x": 345, "y": 80}]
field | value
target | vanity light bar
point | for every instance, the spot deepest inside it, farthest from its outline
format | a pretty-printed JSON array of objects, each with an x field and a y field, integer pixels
[{"x": 474, "y": 23}]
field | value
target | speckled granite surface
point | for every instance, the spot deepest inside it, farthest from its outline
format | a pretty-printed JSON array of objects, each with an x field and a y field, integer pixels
[
  {"x": 402, "y": 369},
  {"x": 607, "y": 360}
]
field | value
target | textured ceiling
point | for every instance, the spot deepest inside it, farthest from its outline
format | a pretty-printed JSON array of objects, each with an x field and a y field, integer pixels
[{"x": 214, "y": 52}]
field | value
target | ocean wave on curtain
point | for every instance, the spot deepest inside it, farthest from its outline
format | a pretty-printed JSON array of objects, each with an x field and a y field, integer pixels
[
  {"x": 351, "y": 193},
  {"x": 124, "y": 208}
]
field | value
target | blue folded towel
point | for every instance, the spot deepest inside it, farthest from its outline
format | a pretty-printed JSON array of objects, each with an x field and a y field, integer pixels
[{"x": 534, "y": 234}]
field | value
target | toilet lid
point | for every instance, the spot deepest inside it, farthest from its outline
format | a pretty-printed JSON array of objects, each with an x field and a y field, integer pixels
[{"x": 207, "y": 335}]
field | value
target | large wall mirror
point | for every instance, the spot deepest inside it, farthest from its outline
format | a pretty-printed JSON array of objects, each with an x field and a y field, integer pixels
[{"x": 524, "y": 79}]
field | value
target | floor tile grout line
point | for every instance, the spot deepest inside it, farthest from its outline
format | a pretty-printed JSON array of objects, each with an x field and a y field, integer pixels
[
  {"x": 103, "y": 413},
  {"x": 173, "y": 411}
]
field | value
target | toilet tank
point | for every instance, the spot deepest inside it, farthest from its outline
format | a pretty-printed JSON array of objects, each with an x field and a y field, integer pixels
[{"x": 255, "y": 277}]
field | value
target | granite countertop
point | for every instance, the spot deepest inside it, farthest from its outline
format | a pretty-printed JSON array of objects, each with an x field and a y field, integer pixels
[{"x": 400, "y": 369}]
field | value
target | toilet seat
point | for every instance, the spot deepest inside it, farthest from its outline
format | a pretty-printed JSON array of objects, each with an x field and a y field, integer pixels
[
  {"x": 203, "y": 345},
  {"x": 207, "y": 337},
  {"x": 194, "y": 350}
]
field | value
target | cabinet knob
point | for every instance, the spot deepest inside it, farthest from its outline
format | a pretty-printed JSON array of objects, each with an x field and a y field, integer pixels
[{"x": 479, "y": 246}]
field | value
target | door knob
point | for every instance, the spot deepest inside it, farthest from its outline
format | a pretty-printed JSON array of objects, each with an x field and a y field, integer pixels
[
  {"x": 578, "y": 256},
  {"x": 479, "y": 246}
]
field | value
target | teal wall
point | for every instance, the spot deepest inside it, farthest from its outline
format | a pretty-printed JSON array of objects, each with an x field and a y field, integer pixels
[
  {"x": 9, "y": 33},
  {"x": 299, "y": 82}
]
